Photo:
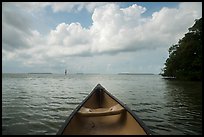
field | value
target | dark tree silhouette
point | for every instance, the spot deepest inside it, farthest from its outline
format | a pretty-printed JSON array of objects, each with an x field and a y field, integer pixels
[{"x": 185, "y": 58}]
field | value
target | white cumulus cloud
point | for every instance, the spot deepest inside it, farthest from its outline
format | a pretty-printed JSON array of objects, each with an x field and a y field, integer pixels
[
  {"x": 113, "y": 30},
  {"x": 116, "y": 29}
]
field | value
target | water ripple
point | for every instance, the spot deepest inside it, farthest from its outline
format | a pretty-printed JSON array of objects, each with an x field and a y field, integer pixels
[{"x": 39, "y": 104}]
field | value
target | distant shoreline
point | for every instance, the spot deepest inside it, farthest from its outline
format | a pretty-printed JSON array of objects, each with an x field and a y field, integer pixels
[
  {"x": 135, "y": 74},
  {"x": 39, "y": 73}
]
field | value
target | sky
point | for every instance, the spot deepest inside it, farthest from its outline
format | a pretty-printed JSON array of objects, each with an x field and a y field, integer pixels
[{"x": 92, "y": 37}]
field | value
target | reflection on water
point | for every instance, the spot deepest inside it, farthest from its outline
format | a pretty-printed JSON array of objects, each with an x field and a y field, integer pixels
[
  {"x": 184, "y": 101},
  {"x": 39, "y": 104}
]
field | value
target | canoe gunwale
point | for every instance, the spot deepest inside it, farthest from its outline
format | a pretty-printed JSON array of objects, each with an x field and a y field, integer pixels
[
  {"x": 99, "y": 87},
  {"x": 140, "y": 122},
  {"x": 68, "y": 120}
]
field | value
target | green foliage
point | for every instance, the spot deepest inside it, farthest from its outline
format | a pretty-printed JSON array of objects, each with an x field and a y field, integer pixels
[{"x": 185, "y": 58}]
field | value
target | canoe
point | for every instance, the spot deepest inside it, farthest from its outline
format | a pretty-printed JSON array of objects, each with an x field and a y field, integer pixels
[{"x": 100, "y": 113}]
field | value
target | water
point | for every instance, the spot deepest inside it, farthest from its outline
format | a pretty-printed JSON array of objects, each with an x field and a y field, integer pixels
[{"x": 39, "y": 104}]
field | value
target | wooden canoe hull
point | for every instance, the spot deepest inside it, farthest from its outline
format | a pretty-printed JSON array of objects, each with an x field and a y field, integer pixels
[{"x": 100, "y": 113}]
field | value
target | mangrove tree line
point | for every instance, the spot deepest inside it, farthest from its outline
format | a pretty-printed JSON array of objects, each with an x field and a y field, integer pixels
[{"x": 185, "y": 57}]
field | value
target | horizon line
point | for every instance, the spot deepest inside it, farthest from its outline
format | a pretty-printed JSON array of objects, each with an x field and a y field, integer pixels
[{"x": 120, "y": 73}]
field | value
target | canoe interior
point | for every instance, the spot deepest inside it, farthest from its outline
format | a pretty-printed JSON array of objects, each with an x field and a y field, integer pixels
[{"x": 119, "y": 124}]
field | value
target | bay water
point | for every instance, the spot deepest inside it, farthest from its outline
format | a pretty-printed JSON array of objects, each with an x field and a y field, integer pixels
[{"x": 39, "y": 103}]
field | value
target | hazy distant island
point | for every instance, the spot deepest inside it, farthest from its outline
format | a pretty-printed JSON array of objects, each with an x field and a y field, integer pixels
[
  {"x": 79, "y": 73},
  {"x": 39, "y": 73},
  {"x": 125, "y": 73}
]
